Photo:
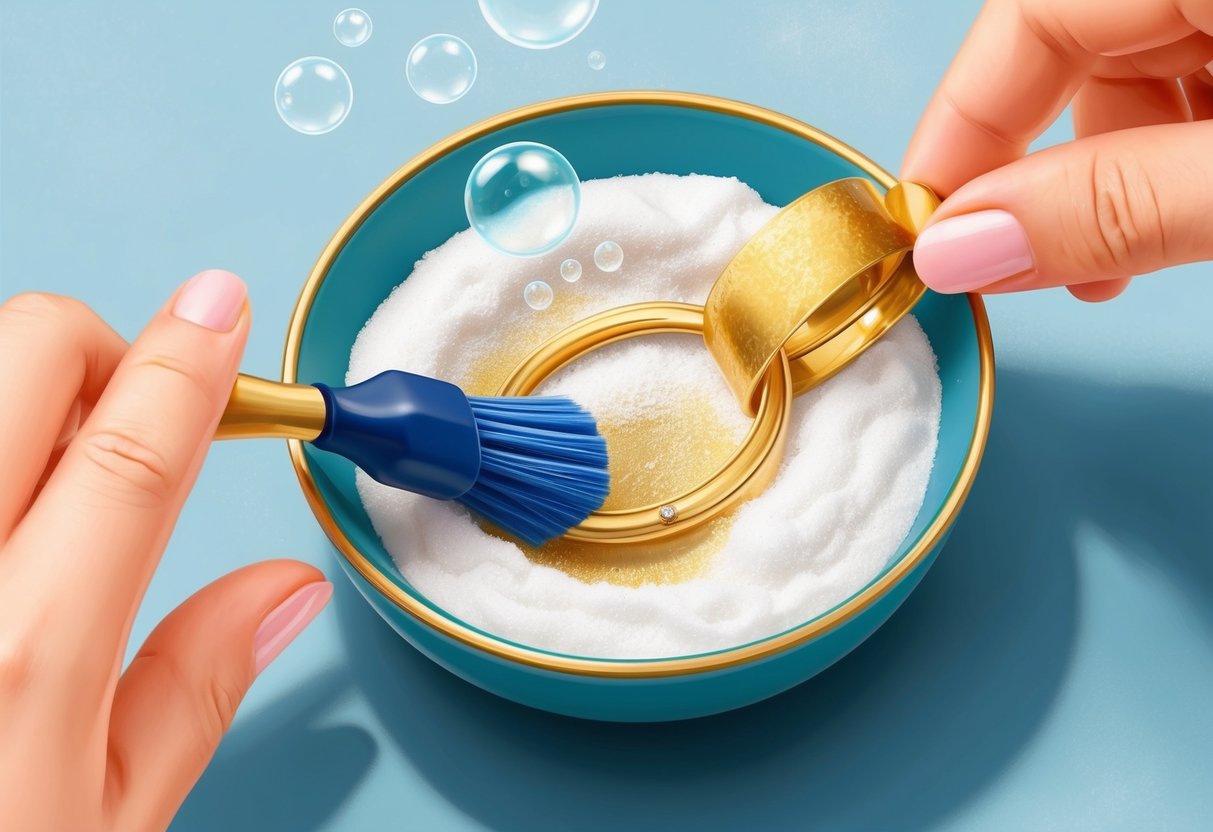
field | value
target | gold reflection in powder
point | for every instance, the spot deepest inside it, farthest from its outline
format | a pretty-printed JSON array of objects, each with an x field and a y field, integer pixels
[{"x": 652, "y": 459}]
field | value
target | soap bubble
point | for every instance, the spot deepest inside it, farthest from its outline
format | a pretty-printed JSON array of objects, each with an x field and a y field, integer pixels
[
  {"x": 352, "y": 27},
  {"x": 596, "y": 60},
  {"x": 522, "y": 198},
  {"x": 538, "y": 295},
  {"x": 570, "y": 270},
  {"x": 608, "y": 256},
  {"x": 313, "y": 95},
  {"x": 538, "y": 24},
  {"x": 441, "y": 68}
]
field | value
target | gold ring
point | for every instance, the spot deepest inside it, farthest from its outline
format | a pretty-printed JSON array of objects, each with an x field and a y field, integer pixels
[
  {"x": 889, "y": 304},
  {"x": 751, "y": 467},
  {"x": 819, "y": 283}
]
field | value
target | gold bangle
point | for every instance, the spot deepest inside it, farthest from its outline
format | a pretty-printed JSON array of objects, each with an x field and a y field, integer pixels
[
  {"x": 747, "y": 471},
  {"x": 819, "y": 283}
]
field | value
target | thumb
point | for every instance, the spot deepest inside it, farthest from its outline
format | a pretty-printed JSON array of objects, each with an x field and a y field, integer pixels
[
  {"x": 179, "y": 694},
  {"x": 1098, "y": 210}
]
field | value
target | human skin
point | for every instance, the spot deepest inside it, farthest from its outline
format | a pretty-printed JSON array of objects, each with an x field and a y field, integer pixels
[
  {"x": 99, "y": 444},
  {"x": 1130, "y": 195}
]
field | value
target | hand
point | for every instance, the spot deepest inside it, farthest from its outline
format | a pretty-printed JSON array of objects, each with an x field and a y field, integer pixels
[
  {"x": 82, "y": 526},
  {"x": 1130, "y": 195}
]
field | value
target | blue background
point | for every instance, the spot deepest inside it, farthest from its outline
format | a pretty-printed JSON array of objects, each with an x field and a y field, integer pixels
[{"x": 1053, "y": 670}]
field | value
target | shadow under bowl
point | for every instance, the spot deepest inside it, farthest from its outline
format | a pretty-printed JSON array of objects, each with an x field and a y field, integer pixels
[{"x": 421, "y": 205}]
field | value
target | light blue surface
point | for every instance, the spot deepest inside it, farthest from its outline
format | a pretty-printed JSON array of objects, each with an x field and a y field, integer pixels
[{"x": 1052, "y": 671}]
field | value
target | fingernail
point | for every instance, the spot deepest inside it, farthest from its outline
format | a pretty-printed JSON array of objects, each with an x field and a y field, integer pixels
[
  {"x": 968, "y": 252},
  {"x": 212, "y": 299},
  {"x": 287, "y": 620}
]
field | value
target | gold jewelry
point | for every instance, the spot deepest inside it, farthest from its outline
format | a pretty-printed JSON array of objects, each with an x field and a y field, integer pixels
[
  {"x": 890, "y": 303},
  {"x": 747, "y": 471},
  {"x": 816, "y": 286},
  {"x": 811, "y": 275}
]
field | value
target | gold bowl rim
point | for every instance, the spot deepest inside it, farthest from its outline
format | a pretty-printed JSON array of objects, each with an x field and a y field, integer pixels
[{"x": 626, "y": 668}]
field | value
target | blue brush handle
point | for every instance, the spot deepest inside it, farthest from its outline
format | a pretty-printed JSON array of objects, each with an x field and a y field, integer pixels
[{"x": 406, "y": 431}]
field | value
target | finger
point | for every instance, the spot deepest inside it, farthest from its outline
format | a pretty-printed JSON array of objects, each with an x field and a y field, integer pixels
[
  {"x": 1103, "y": 105},
  {"x": 1100, "y": 208},
  {"x": 1097, "y": 291},
  {"x": 96, "y": 532},
  {"x": 179, "y": 694},
  {"x": 1198, "y": 88},
  {"x": 1017, "y": 69},
  {"x": 75, "y": 417},
  {"x": 56, "y": 352},
  {"x": 1170, "y": 61}
]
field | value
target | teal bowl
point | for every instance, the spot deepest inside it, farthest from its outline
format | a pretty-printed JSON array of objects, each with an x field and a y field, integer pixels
[{"x": 421, "y": 205}]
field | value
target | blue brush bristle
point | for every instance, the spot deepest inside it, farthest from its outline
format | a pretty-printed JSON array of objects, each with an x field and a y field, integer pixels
[{"x": 543, "y": 466}]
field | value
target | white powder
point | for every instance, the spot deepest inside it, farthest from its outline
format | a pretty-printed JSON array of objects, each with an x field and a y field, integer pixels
[{"x": 859, "y": 451}]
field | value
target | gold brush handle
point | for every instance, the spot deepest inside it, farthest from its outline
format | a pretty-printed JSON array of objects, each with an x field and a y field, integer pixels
[{"x": 259, "y": 408}]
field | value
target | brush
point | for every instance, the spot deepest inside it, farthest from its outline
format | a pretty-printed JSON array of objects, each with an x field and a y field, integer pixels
[{"x": 532, "y": 466}]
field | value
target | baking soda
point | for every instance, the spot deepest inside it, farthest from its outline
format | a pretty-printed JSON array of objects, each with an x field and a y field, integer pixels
[{"x": 859, "y": 451}]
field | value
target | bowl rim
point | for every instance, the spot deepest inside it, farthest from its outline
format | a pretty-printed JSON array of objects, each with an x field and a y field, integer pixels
[{"x": 477, "y": 640}]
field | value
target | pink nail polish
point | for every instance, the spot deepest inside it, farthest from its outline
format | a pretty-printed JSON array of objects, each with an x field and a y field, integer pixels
[
  {"x": 287, "y": 620},
  {"x": 212, "y": 299},
  {"x": 968, "y": 252}
]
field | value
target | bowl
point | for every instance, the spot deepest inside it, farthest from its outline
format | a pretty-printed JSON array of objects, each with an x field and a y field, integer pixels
[{"x": 608, "y": 135}]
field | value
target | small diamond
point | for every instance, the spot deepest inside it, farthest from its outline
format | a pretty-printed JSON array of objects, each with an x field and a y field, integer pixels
[{"x": 668, "y": 514}]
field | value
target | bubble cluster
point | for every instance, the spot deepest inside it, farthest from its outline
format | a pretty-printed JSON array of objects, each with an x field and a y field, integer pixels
[
  {"x": 608, "y": 256},
  {"x": 352, "y": 27},
  {"x": 522, "y": 198},
  {"x": 538, "y": 295},
  {"x": 441, "y": 68},
  {"x": 596, "y": 60},
  {"x": 570, "y": 270},
  {"x": 313, "y": 95},
  {"x": 538, "y": 24}
]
